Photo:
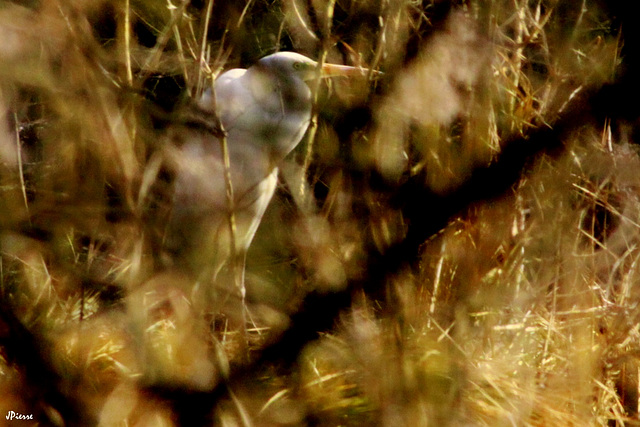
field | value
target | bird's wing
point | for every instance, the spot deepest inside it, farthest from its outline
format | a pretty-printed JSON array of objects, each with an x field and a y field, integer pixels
[
  {"x": 234, "y": 100},
  {"x": 198, "y": 227}
]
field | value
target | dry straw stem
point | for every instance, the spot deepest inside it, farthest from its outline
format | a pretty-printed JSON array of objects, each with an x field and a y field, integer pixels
[{"x": 466, "y": 252}]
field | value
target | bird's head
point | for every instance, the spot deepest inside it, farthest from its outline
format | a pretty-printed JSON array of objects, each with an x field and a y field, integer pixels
[
  {"x": 289, "y": 64},
  {"x": 293, "y": 64}
]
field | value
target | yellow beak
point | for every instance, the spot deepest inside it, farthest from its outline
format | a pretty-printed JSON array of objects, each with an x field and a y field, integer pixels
[{"x": 331, "y": 70}]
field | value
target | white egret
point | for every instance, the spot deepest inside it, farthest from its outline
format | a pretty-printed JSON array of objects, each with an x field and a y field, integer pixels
[{"x": 265, "y": 111}]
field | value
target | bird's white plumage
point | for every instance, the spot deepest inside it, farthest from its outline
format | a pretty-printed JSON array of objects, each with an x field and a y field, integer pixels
[{"x": 265, "y": 111}]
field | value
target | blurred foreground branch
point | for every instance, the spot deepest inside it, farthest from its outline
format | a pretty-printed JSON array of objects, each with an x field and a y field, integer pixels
[
  {"x": 52, "y": 397},
  {"x": 27, "y": 344}
]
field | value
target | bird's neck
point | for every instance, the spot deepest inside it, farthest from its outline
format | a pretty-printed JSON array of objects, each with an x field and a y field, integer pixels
[
  {"x": 286, "y": 106},
  {"x": 292, "y": 94}
]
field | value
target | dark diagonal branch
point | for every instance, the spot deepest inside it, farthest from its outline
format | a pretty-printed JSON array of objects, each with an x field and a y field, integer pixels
[
  {"x": 43, "y": 388},
  {"x": 428, "y": 213}
]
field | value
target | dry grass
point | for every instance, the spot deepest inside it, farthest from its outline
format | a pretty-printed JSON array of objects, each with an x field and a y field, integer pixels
[{"x": 520, "y": 310}]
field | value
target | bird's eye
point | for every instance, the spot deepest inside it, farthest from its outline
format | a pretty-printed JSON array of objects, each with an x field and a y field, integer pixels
[{"x": 298, "y": 65}]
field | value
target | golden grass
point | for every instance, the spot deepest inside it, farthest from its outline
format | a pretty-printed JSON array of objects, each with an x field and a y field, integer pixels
[{"x": 521, "y": 310}]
